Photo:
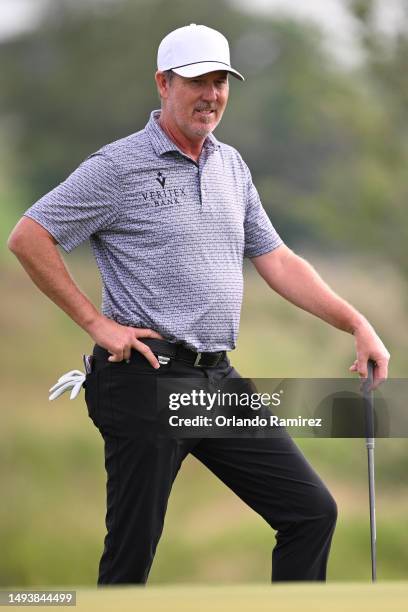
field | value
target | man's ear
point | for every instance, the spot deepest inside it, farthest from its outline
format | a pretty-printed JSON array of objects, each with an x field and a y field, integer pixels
[{"x": 162, "y": 84}]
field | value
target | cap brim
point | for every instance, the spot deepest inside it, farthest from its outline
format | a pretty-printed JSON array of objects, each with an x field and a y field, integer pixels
[{"x": 200, "y": 68}]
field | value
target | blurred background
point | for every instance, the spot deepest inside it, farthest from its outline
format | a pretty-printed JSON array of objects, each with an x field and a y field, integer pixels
[{"x": 322, "y": 123}]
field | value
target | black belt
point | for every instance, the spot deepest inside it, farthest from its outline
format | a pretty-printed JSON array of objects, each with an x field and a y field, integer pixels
[{"x": 174, "y": 351}]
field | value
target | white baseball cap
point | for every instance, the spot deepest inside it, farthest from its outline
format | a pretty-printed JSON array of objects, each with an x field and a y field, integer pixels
[{"x": 194, "y": 50}]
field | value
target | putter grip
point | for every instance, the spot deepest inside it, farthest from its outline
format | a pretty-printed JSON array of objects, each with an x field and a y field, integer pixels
[{"x": 369, "y": 402}]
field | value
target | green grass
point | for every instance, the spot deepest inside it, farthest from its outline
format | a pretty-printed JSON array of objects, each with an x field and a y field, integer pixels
[{"x": 361, "y": 597}]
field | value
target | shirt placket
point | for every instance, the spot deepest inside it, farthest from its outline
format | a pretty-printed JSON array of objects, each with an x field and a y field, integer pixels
[{"x": 202, "y": 189}]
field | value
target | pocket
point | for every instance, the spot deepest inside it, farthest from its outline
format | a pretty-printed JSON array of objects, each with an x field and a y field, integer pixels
[
  {"x": 127, "y": 403},
  {"x": 90, "y": 385},
  {"x": 133, "y": 368}
]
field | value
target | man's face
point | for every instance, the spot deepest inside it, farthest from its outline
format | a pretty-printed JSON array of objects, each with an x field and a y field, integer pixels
[{"x": 195, "y": 105}]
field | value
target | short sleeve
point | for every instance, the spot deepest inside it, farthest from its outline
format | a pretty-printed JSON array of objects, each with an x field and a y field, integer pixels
[
  {"x": 260, "y": 235},
  {"x": 88, "y": 201}
]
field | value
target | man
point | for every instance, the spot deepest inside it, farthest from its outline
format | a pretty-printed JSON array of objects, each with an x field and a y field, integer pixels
[{"x": 171, "y": 212}]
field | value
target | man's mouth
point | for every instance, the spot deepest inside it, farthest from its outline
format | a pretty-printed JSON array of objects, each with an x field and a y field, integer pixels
[{"x": 205, "y": 112}]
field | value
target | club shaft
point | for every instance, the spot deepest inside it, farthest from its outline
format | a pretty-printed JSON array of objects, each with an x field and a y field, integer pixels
[
  {"x": 369, "y": 419},
  {"x": 373, "y": 531}
]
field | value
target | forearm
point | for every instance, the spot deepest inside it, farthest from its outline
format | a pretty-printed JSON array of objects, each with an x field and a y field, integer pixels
[
  {"x": 297, "y": 281},
  {"x": 43, "y": 263}
]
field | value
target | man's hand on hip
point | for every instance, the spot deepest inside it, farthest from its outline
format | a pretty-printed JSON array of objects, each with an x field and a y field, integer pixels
[{"x": 120, "y": 339}]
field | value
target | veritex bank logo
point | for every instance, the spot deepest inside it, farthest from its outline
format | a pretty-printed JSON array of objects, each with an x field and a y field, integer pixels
[
  {"x": 165, "y": 196},
  {"x": 161, "y": 179}
]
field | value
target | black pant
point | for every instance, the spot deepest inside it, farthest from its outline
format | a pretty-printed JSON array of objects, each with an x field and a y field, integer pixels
[{"x": 271, "y": 475}]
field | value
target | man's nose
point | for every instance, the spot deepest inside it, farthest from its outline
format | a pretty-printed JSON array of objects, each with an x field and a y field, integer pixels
[{"x": 210, "y": 93}]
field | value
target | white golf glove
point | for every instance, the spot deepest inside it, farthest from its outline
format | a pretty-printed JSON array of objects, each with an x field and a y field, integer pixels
[{"x": 74, "y": 379}]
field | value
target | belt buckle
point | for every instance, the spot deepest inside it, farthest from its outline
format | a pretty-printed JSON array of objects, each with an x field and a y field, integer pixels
[
  {"x": 198, "y": 358},
  {"x": 196, "y": 363}
]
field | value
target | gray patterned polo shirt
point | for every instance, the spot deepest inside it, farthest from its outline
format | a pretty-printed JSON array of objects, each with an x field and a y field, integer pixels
[{"x": 168, "y": 234}]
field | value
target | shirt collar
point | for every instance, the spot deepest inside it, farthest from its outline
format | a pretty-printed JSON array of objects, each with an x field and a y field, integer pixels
[{"x": 163, "y": 144}]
